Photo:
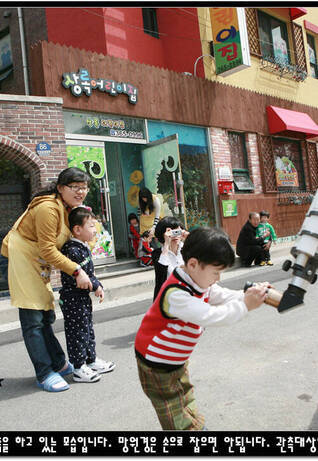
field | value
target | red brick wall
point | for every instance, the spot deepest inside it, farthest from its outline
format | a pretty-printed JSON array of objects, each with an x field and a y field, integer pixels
[
  {"x": 220, "y": 149},
  {"x": 26, "y": 121}
]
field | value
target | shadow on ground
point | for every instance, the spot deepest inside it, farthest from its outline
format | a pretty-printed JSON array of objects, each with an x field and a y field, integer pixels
[
  {"x": 12, "y": 388},
  {"x": 121, "y": 342},
  {"x": 313, "y": 426}
]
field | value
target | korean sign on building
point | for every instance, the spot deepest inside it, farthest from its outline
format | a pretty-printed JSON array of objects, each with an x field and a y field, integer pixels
[
  {"x": 82, "y": 83},
  {"x": 230, "y": 40},
  {"x": 107, "y": 125}
]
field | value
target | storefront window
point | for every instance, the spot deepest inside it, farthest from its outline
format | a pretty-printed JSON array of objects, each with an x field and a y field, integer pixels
[
  {"x": 288, "y": 164},
  {"x": 195, "y": 170},
  {"x": 273, "y": 38}
]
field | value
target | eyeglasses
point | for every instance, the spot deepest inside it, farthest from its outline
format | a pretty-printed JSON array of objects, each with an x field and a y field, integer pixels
[{"x": 78, "y": 188}]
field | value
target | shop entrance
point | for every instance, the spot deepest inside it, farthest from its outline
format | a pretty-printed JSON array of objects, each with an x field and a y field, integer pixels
[
  {"x": 130, "y": 167},
  {"x": 118, "y": 171}
]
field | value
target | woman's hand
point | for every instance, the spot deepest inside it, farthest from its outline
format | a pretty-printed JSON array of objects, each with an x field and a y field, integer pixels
[
  {"x": 184, "y": 234},
  {"x": 167, "y": 236},
  {"x": 83, "y": 281}
]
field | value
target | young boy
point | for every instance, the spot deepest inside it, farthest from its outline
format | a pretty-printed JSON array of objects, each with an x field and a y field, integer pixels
[
  {"x": 144, "y": 249},
  {"x": 134, "y": 235},
  {"x": 260, "y": 232},
  {"x": 186, "y": 303},
  {"x": 76, "y": 303}
]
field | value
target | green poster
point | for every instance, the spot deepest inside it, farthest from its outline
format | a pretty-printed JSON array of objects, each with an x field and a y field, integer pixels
[
  {"x": 229, "y": 208},
  {"x": 93, "y": 157}
]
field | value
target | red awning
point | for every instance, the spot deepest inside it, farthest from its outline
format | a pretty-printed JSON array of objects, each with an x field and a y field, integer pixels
[
  {"x": 290, "y": 123},
  {"x": 297, "y": 12}
]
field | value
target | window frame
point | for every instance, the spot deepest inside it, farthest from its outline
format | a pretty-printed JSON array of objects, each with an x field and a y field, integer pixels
[
  {"x": 150, "y": 22},
  {"x": 6, "y": 71},
  {"x": 261, "y": 17},
  {"x": 312, "y": 39}
]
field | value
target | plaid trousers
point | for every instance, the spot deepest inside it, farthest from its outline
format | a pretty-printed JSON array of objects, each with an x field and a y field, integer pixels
[{"x": 172, "y": 396}]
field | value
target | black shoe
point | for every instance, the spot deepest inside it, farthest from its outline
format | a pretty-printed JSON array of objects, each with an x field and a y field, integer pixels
[{"x": 246, "y": 264}]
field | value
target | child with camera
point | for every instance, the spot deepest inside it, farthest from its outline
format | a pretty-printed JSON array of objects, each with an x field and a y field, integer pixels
[
  {"x": 188, "y": 301},
  {"x": 171, "y": 234}
]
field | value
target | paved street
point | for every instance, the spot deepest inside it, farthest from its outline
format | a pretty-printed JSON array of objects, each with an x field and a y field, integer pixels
[{"x": 260, "y": 374}]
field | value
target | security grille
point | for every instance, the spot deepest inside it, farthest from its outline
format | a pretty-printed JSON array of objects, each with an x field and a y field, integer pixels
[
  {"x": 312, "y": 165},
  {"x": 252, "y": 31},
  {"x": 299, "y": 46},
  {"x": 268, "y": 164}
]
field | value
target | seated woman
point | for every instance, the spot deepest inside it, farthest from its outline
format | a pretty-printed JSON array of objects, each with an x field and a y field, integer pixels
[{"x": 171, "y": 234}]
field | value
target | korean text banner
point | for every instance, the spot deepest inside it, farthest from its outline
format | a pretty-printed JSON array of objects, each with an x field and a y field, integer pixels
[{"x": 230, "y": 41}]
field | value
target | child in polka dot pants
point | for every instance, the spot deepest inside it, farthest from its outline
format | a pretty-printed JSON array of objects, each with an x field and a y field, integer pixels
[{"x": 76, "y": 303}]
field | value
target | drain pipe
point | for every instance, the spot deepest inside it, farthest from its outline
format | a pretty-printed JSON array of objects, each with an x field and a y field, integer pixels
[{"x": 23, "y": 50}]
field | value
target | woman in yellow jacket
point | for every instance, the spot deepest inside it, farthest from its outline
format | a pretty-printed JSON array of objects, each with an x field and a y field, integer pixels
[
  {"x": 32, "y": 246},
  {"x": 149, "y": 211}
]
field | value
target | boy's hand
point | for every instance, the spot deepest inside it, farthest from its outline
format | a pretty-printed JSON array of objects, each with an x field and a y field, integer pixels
[
  {"x": 255, "y": 295},
  {"x": 100, "y": 293}
]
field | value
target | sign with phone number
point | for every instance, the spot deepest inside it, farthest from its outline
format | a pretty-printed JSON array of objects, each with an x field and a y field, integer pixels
[{"x": 105, "y": 125}]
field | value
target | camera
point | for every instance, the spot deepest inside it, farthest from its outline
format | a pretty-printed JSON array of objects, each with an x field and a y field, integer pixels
[{"x": 176, "y": 232}]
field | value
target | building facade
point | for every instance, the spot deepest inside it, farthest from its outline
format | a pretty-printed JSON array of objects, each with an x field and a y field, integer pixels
[{"x": 140, "y": 120}]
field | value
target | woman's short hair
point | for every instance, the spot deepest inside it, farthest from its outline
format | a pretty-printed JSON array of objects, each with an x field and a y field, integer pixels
[{"x": 163, "y": 224}]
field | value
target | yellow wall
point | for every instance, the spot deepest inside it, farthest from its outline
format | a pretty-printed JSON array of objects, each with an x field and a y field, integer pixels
[{"x": 256, "y": 79}]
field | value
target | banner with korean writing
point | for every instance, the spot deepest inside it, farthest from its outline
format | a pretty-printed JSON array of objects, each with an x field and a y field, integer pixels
[{"x": 230, "y": 40}]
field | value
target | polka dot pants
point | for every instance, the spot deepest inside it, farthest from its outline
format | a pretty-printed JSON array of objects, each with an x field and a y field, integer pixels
[{"x": 78, "y": 325}]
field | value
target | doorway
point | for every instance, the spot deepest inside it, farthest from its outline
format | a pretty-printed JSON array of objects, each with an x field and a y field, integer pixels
[
  {"x": 131, "y": 167},
  {"x": 14, "y": 198},
  {"x": 118, "y": 171}
]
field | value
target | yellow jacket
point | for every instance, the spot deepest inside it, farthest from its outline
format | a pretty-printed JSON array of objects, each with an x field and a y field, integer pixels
[{"x": 42, "y": 223}]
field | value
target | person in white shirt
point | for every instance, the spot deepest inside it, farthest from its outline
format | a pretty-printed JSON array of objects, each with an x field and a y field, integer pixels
[
  {"x": 171, "y": 234},
  {"x": 187, "y": 302}
]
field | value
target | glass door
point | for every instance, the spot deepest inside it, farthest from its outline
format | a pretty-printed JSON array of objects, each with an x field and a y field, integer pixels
[
  {"x": 163, "y": 175},
  {"x": 89, "y": 156}
]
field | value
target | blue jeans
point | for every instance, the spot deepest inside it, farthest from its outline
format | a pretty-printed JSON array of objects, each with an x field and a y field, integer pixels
[{"x": 44, "y": 349}]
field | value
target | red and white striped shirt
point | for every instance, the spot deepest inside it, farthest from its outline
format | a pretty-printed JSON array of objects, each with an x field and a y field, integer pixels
[
  {"x": 168, "y": 340},
  {"x": 163, "y": 339}
]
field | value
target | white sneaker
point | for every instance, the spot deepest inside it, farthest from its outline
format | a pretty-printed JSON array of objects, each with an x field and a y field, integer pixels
[
  {"x": 85, "y": 374},
  {"x": 101, "y": 366}
]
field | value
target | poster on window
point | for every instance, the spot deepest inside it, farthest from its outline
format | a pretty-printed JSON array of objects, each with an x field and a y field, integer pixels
[
  {"x": 286, "y": 173},
  {"x": 280, "y": 47}
]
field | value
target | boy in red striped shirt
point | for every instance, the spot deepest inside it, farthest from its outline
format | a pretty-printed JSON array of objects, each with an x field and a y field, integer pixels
[{"x": 187, "y": 302}]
